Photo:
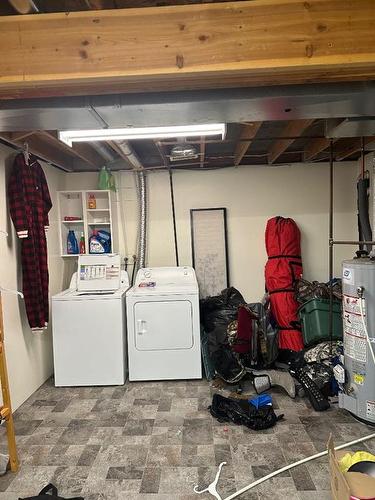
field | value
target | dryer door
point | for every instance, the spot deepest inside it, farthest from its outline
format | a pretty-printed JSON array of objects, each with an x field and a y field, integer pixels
[{"x": 163, "y": 325}]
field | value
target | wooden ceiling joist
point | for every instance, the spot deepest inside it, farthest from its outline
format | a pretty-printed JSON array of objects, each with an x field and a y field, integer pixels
[
  {"x": 19, "y": 136},
  {"x": 354, "y": 148},
  {"x": 80, "y": 150},
  {"x": 315, "y": 147},
  {"x": 293, "y": 128},
  {"x": 243, "y": 43},
  {"x": 249, "y": 131},
  {"x": 39, "y": 147}
]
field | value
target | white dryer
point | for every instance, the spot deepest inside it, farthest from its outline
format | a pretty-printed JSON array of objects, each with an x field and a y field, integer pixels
[
  {"x": 89, "y": 325},
  {"x": 163, "y": 325}
]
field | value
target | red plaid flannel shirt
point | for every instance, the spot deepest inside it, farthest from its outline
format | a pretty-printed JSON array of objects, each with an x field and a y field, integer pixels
[{"x": 29, "y": 198}]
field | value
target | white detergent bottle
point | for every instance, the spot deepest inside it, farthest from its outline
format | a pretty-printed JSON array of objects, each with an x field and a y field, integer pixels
[{"x": 94, "y": 244}]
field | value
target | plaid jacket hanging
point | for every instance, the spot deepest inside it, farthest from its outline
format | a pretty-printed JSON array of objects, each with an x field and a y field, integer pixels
[{"x": 29, "y": 204}]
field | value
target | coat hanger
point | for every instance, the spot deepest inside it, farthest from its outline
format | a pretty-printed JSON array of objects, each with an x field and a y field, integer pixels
[{"x": 26, "y": 153}]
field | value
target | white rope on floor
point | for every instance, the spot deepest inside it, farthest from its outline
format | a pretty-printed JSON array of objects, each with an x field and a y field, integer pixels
[{"x": 212, "y": 487}]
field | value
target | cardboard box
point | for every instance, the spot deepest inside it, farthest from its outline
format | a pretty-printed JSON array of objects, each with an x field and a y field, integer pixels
[{"x": 348, "y": 485}]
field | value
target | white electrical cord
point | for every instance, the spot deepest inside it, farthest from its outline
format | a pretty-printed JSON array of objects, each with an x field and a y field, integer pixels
[
  {"x": 212, "y": 487},
  {"x": 365, "y": 327}
]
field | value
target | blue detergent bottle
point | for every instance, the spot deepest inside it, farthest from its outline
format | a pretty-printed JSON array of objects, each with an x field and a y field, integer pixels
[{"x": 72, "y": 243}]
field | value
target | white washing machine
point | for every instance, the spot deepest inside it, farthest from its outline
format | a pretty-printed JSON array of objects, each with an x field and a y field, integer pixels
[
  {"x": 89, "y": 324},
  {"x": 163, "y": 325}
]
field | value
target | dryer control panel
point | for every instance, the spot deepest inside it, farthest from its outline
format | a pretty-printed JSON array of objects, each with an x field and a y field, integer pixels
[{"x": 153, "y": 277}]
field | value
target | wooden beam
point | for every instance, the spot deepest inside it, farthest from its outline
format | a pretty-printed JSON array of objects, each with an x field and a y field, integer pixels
[
  {"x": 249, "y": 131},
  {"x": 354, "y": 148},
  {"x": 79, "y": 150},
  {"x": 243, "y": 43},
  {"x": 292, "y": 128},
  {"x": 39, "y": 147},
  {"x": 315, "y": 147},
  {"x": 19, "y": 136}
]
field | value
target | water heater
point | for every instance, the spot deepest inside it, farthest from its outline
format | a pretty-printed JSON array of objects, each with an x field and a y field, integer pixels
[{"x": 358, "y": 391}]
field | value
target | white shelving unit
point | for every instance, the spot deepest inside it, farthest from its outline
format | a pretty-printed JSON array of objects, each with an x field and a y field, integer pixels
[{"x": 75, "y": 204}]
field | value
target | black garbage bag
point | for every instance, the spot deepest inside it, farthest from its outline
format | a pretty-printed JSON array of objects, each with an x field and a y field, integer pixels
[
  {"x": 240, "y": 412},
  {"x": 221, "y": 309},
  {"x": 49, "y": 492},
  {"x": 227, "y": 365},
  {"x": 216, "y": 314}
]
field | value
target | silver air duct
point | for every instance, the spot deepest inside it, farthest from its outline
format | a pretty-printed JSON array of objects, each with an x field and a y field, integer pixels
[
  {"x": 142, "y": 220},
  {"x": 104, "y": 151},
  {"x": 130, "y": 155}
]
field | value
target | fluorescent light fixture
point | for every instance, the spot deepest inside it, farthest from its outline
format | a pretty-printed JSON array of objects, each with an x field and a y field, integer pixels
[{"x": 128, "y": 134}]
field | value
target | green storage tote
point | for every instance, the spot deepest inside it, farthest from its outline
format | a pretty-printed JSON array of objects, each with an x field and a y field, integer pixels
[{"x": 314, "y": 317}]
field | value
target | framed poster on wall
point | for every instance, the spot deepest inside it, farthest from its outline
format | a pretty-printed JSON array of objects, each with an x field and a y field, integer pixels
[{"x": 209, "y": 249}]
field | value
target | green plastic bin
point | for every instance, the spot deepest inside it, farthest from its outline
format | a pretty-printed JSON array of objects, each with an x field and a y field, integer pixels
[{"x": 314, "y": 317}]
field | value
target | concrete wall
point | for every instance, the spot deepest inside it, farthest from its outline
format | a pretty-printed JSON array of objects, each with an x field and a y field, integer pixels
[
  {"x": 29, "y": 355},
  {"x": 252, "y": 195}
]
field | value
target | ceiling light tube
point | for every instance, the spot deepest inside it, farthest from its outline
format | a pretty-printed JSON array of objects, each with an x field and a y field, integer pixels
[{"x": 128, "y": 134}]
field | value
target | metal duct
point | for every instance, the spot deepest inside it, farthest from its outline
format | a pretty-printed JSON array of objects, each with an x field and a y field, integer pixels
[
  {"x": 142, "y": 220},
  {"x": 104, "y": 152},
  {"x": 130, "y": 155}
]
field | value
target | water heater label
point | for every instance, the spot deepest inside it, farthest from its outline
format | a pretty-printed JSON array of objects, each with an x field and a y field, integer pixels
[
  {"x": 351, "y": 305},
  {"x": 370, "y": 409},
  {"x": 354, "y": 334},
  {"x": 347, "y": 276}
]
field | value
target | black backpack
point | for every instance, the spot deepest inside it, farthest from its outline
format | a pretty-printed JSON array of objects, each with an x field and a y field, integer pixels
[{"x": 49, "y": 492}]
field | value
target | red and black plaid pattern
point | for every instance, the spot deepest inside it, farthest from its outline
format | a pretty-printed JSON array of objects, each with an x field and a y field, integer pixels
[{"x": 29, "y": 204}]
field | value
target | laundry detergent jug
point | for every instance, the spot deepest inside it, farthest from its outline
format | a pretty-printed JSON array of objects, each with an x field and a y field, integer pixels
[
  {"x": 95, "y": 246},
  {"x": 71, "y": 243}
]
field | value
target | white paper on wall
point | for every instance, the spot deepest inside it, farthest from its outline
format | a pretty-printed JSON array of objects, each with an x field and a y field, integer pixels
[{"x": 210, "y": 250}]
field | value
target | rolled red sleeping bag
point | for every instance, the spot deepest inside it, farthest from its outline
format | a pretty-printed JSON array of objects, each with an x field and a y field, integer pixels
[{"x": 283, "y": 268}]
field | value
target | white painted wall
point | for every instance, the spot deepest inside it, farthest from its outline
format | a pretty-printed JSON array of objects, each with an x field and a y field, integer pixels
[
  {"x": 29, "y": 355},
  {"x": 252, "y": 195}
]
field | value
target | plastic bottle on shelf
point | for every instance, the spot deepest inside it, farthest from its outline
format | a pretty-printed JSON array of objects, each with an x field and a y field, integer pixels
[
  {"x": 95, "y": 246},
  {"x": 82, "y": 246},
  {"x": 71, "y": 243},
  {"x": 92, "y": 201}
]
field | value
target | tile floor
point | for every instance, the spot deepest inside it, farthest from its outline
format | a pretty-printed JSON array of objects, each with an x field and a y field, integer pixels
[{"x": 156, "y": 440}]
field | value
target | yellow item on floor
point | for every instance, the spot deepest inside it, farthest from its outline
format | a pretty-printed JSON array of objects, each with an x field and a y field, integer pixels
[{"x": 350, "y": 459}]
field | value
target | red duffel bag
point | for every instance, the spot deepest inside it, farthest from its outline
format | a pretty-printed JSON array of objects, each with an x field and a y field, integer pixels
[{"x": 283, "y": 269}]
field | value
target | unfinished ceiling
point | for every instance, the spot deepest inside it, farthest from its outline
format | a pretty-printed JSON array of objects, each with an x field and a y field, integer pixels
[{"x": 253, "y": 143}]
